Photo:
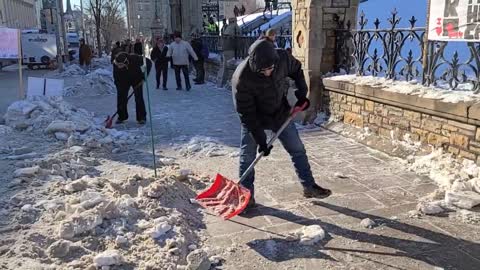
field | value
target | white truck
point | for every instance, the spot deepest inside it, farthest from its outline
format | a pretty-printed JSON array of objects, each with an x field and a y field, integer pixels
[{"x": 39, "y": 50}]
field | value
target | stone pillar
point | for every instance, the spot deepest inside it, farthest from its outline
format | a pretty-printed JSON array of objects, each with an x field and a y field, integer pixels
[
  {"x": 313, "y": 38},
  {"x": 186, "y": 16}
]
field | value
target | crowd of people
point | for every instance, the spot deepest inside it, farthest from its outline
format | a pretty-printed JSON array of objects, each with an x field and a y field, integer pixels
[{"x": 131, "y": 63}]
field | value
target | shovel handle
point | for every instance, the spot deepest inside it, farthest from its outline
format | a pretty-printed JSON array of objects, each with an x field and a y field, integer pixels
[{"x": 292, "y": 115}]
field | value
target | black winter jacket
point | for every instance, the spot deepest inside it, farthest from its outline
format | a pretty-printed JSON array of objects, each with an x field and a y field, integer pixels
[
  {"x": 132, "y": 75},
  {"x": 197, "y": 47},
  {"x": 260, "y": 101},
  {"x": 160, "y": 57}
]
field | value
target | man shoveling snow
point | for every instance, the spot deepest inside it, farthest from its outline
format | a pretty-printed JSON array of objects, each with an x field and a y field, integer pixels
[{"x": 260, "y": 97}]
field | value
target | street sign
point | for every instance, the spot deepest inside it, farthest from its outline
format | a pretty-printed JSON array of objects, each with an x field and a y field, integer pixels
[
  {"x": 9, "y": 48},
  {"x": 456, "y": 20}
]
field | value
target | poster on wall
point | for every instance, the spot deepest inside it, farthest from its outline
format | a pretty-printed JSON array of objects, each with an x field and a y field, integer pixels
[
  {"x": 8, "y": 43},
  {"x": 454, "y": 20}
]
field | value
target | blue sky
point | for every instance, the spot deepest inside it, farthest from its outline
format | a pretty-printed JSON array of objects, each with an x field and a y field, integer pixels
[{"x": 406, "y": 9}]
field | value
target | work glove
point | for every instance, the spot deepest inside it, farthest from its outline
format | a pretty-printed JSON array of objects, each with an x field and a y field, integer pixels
[
  {"x": 261, "y": 139},
  {"x": 265, "y": 149},
  {"x": 301, "y": 101}
]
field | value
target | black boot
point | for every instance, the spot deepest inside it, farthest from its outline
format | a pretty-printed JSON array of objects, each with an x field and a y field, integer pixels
[
  {"x": 251, "y": 205},
  {"x": 316, "y": 191}
]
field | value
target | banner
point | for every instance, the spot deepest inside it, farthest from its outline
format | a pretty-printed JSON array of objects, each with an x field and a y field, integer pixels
[
  {"x": 454, "y": 20},
  {"x": 8, "y": 43}
]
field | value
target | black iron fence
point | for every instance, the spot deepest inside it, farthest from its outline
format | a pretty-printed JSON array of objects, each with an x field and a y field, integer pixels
[
  {"x": 240, "y": 44},
  {"x": 398, "y": 54}
]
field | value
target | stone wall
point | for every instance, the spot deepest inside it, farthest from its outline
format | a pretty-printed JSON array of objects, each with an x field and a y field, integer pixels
[
  {"x": 314, "y": 23},
  {"x": 452, "y": 126}
]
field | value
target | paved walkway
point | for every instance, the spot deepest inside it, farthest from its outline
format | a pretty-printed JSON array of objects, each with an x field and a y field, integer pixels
[{"x": 373, "y": 187}]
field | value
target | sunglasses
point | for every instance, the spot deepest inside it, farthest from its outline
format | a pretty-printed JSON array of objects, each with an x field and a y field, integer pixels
[
  {"x": 268, "y": 68},
  {"x": 121, "y": 64}
]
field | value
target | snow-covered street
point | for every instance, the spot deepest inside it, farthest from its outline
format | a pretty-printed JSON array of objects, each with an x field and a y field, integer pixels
[{"x": 74, "y": 195}]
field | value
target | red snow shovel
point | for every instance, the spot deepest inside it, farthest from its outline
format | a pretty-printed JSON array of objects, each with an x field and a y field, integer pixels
[
  {"x": 227, "y": 198},
  {"x": 109, "y": 120}
]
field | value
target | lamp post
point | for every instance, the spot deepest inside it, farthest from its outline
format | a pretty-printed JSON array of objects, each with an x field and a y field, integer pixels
[{"x": 81, "y": 18}]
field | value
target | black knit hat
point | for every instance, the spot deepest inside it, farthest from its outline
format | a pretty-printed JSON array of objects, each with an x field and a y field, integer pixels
[{"x": 262, "y": 54}]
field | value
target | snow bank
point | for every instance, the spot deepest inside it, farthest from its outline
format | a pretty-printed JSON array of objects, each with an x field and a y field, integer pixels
[
  {"x": 443, "y": 93},
  {"x": 97, "y": 82},
  {"x": 52, "y": 116},
  {"x": 458, "y": 181}
]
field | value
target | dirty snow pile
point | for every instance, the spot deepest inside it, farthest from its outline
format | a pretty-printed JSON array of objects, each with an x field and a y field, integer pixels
[
  {"x": 201, "y": 146},
  {"x": 81, "y": 221},
  {"x": 458, "y": 181},
  {"x": 97, "y": 82},
  {"x": 52, "y": 116},
  {"x": 103, "y": 62},
  {"x": 462, "y": 94},
  {"x": 70, "y": 70}
]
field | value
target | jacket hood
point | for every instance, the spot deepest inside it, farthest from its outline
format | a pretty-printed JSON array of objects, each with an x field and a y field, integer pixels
[{"x": 262, "y": 54}]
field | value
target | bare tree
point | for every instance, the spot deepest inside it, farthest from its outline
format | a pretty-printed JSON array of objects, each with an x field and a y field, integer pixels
[
  {"x": 95, "y": 9},
  {"x": 113, "y": 23}
]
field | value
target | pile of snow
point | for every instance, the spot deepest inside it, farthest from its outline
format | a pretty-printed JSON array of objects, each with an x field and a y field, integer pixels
[
  {"x": 310, "y": 235},
  {"x": 463, "y": 93},
  {"x": 97, "y": 82},
  {"x": 202, "y": 146},
  {"x": 103, "y": 62},
  {"x": 94, "y": 222},
  {"x": 54, "y": 117},
  {"x": 71, "y": 70},
  {"x": 458, "y": 181}
]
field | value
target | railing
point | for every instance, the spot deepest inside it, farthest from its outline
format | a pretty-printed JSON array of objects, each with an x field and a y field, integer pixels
[
  {"x": 241, "y": 43},
  {"x": 398, "y": 54}
]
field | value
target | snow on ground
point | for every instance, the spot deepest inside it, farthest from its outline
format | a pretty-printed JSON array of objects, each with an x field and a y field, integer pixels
[
  {"x": 463, "y": 94},
  {"x": 202, "y": 146},
  {"x": 80, "y": 209},
  {"x": 98, "y": 80},
  {"x": 52, "y": 117}
]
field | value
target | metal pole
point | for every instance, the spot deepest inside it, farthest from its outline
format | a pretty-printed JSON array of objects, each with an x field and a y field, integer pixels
[
  {"x": 425, "y": 45},
  {"x": 81, "y": 18},
  {"x": 20, "y": 65},
  {"x": 127, "y": 2},
  {"x": 64, "y": 34},
  {"x": 57, "y": 33}
]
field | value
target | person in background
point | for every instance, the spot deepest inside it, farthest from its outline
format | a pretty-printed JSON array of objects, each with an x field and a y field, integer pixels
[
  {"x": 159, "y": 57},
  {"x": 270, "y": 35},
  {"x": 128, "y": 71},
  {"x": 236, "y": 11},
  {"x": 229, "y": 41},
  {"x": 116, "y": 50},
  {"x": 138, "y": 47},
  {"x": 202, "y": 52},
  {"x": 242, "y": 10},
  {"x": 85, "y": 55},
  {"x": 180, "y": 51},
  {"x": 127, "y": 46}
]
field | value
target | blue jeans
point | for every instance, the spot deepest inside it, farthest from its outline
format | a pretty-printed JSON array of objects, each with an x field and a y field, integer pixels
[{"x": 290, "y": 141}]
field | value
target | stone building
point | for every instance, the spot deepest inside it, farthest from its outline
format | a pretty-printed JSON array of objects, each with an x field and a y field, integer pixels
[
  {"x": 157, "y": 17},
  {"x": 18, "y": 14}
]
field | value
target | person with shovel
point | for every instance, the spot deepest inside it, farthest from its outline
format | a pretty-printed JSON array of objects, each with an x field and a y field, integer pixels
[
  {"x": 260, "y": 98},
  {"x": 128, "y": 71}
]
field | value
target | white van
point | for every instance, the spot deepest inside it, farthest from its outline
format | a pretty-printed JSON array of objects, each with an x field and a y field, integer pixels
[{"x": 39, "y": 50}]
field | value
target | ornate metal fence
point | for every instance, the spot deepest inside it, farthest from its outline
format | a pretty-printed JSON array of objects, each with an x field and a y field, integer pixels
[
  {"x": 241, "y": 43},
  {"x": 398, "y": 54}
]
